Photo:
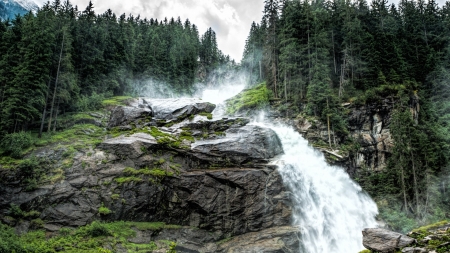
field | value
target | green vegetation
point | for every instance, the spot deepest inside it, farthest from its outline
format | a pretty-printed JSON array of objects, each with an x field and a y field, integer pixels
[
  {"x": 94, "y": 238},
  {"x": 254, "y": 98},
  {"x": 123, "y": 180},
  {"x": 115, "y": 101},
  {"x": 103, "y": 210},
  {"x": 207, "y": 115}
]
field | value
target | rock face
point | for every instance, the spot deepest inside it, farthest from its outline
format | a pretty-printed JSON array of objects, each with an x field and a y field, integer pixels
[
  {"x": 145, "y": 111},
  {"x": 241, "y": 145},
  {"x": 382, "y": 240},
  {"x": 171, "y": 109},
  {"x": 217, "y": 186},
  {"x": 368, "y": 125}
]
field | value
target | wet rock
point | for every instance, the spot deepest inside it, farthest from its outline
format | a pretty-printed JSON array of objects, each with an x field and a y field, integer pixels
[
  {"x": 132, "y": 146},
  {"x": 382, "y": 240},
  {"x": 414, "y": 250},
  {"x": 179, "y": 108},
  {"x": 241, "y": 145},
  {"x": 273, "y": 240},
  {"x": 125, "y": 115}
]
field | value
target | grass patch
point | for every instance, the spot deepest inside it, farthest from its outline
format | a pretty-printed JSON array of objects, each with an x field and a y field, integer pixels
[
  {"x": 254, "y": 98},
  {"x": 115, "y": 101},
  {"x": 123, "y": 180},
  {"x": 430, "y": 227},
  {"x": 207, "y": 115},
  {"x": 93, "y": 238}
]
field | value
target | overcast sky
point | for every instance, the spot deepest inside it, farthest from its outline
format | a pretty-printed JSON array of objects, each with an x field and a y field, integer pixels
[{"x": 230, "y": 19}]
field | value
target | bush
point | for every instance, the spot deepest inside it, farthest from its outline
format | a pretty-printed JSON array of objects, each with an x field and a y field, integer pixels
[
  {"x": 103, "y": 210},
  {"x": 9, "y": 241},
  {"x": 15, "y": 143},
  {"x": 97, "y": 229}
]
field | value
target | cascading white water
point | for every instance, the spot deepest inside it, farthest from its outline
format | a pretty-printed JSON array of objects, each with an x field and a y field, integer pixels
[{"x": 331, "y": 209}]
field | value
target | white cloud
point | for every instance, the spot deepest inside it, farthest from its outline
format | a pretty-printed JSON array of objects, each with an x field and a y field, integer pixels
[{"x": 230, "y": 19}]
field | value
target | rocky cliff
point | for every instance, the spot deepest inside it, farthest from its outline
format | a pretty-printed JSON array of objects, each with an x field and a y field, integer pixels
[
  {"x": 164, "y": 160},
  {"x": 369, "y": 134}
]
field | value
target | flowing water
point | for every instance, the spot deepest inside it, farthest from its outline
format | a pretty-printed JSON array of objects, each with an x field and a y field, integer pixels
[{"x": 330, "y": 208}]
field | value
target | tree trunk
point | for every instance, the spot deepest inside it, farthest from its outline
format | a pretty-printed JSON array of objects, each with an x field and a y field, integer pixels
[
  {"x": 56, "y": 85},
  {"x": 45, "y": 108}
]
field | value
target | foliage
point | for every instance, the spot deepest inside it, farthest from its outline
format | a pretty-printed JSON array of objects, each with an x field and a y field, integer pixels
[
  {"x": 9, "y": 241},
  {"x": 91, "y": 238},
  {"x": 15, "y": 143},
  {"x": 103, "y": 210},
  {"x": 62, "y": 59},
  {"x": 254, "y": 98}
]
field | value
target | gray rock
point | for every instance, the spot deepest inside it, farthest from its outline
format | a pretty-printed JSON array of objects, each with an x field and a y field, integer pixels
[
  {"x": 414, "y": 250},
  {"x": 124, "y": 115},
  {"x": 382, "y": 240},
  {"x": 132, "y": 146},
  {"x": 273, "y": 240},
  {"x": 246, "y": 144},
  {"x": 178, "y": 108}
]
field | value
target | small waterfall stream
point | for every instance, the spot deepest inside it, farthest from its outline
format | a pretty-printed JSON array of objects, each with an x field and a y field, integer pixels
[{"x": 328, "y": 205}]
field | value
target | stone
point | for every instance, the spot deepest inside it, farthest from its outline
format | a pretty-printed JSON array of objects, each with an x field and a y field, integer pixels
[
  {"x": 273, "y": 240},
  {"x": 383, "y": 240},
  {"x": 414, "y": 250},
  {"x": 132, "y": 146},
  {"x": 241, "y": 145},
  {"x": 124, "y": 115},
  {"x": 178, "y": 108}
]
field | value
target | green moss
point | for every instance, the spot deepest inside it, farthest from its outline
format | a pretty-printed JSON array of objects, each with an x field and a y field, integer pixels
[
  {"x": 430, "y": 227},
  {"x": 103, "y": 210},
  {"x": 254, "y": 98},
  {"x": 123, "y": 180},
  {"x": 115, "y": 101},
  {"x": 115, "y": 196},
  {"x": 207, "y": 115},
  {"x": 365, "y": 251},
  {"x": 93, "y": 238}
]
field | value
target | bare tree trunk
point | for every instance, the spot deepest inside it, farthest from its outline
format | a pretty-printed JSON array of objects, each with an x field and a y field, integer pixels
[
  {"x": 404, "y": 190},
  {"x": 45, "y": 108},
  {"x": 260, "y": 71},
  {"x": 416, "y": 189},
  {"x": 56, "y": 85},
  {"x": 56, "y": 116},
  {"x": 285, "y": 88},
  {"x": 328, "y": 121},
  {"x": 334, "y": 53}
]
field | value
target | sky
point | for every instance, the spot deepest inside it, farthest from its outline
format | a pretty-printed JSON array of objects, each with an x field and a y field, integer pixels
[{"x": 230, "y": 19}]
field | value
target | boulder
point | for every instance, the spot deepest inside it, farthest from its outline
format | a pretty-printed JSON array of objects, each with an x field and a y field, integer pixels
[
  {"x": 241, "y": 145},
  {"x": 124, "y": 115},
  {"x": 178, "y": 108},
  {"x": 382, "y": 240},
  {"x": 131, "y": 147},
  {"x": 414, "y": 250},
  {"x": 273, "y": 240}
]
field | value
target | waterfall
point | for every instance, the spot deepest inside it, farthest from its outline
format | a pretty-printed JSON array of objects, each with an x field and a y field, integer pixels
[{"x": 328, "y": 205}]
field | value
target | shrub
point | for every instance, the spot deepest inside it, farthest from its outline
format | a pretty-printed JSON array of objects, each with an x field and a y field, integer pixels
[
  {"x": 15, "y": 143},
  {"x": 97, "y": 229},
  {"x": 103, "y": 210},
  {"x": 9, "y": 241}
]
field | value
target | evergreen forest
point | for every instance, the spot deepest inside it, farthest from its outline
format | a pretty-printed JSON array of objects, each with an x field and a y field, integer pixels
[
  {"x": 314, "y": 57},
  {"x": 321, "y": 55},
  {"x": 62, "y": 60}
]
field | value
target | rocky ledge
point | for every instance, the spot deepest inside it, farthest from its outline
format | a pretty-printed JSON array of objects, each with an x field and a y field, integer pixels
[{"x": 168, "y": 161}]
